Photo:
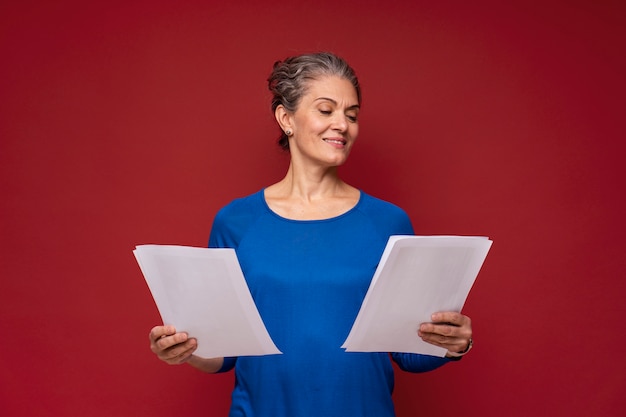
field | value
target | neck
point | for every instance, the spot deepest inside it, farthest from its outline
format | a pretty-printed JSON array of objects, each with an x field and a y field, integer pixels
[
  {"x": 311, "y": 195},
  {"x": 312, "y": 184}
]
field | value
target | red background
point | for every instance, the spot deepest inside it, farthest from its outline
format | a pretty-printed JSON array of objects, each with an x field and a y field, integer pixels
[{"x": 128, "y": 122}]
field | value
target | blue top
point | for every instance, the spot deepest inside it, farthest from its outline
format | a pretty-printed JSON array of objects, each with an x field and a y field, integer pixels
[{"x": 308, "y": 279}]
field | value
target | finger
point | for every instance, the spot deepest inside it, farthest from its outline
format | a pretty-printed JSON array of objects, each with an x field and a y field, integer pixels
[
  {"x": 180, "y": 353},
  {"x": 158, "y": 332},
  {"x": 167, "y": 342},
  {"x": 450, "y": 317},
  {"x": 439, "y": 340},
  {"x": 446, "y": 330},
  {"x": 453, "y": 347},
  {"x": 452, "y": 344}
]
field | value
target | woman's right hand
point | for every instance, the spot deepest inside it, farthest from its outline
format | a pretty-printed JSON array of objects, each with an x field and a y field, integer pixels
[{"x": 171, "y": 347}]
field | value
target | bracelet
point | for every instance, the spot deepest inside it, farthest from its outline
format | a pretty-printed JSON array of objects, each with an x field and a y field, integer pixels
[{"x": 459, "y": 354}]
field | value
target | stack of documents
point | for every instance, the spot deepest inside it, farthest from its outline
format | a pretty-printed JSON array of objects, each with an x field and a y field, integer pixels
[
  {"x": 203, "y": 292},
  {"x": 416, "y": 277}
]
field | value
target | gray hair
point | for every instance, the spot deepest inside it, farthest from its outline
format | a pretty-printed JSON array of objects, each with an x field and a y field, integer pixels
[{"x": 289, "y": 80}]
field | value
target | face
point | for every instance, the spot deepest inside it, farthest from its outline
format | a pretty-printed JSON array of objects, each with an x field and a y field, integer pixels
[{"x": 325, "y": 125}]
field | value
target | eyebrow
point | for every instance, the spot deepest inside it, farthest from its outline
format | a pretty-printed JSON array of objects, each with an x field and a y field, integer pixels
[{"x": 354, "y": 106}]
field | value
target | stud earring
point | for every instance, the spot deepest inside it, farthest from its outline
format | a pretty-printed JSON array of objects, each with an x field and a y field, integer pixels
[{"x": 288, "y": 132}]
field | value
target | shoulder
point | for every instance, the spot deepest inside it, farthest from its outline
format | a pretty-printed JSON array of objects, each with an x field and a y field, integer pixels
[
  {"x": 376, "y": 205},
  {"x": 232, "y": 220},
  {"x": 385, "y": 215},
  {"x": 242, "y": 206}
]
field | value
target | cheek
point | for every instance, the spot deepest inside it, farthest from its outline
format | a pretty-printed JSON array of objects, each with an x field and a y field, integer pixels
[
  {"x": 317, "y": 127},
  {"x": 311, "y": 124},
  {"x": 354, "y": 131}
]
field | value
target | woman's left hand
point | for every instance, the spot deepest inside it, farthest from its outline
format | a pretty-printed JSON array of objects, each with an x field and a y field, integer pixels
[{"x": 449, "y": 330}]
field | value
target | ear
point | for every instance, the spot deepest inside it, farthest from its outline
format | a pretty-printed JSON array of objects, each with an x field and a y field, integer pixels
[{"x": 284, "y": 118}]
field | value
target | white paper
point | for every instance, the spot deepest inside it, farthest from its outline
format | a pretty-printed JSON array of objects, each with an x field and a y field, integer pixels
[
  {"x": 203, "y": 292},
  {"x": 416, "y": 276}
]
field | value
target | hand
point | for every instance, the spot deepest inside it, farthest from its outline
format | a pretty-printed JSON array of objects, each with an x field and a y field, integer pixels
[
  {"x": 449, "y": 330},
  {"x": 171, "y": 347}
]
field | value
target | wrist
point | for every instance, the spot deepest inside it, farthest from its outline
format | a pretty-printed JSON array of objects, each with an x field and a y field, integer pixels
[{"x": 208, "y": 365}]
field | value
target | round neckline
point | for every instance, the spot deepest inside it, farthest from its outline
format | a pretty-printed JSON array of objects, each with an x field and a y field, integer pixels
[{"x": 339, "y": 216}]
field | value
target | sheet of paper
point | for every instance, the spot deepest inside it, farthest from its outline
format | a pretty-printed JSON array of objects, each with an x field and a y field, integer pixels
[
  {"x": 203, "y": 292},
  {"x": 416, "y": 276}
]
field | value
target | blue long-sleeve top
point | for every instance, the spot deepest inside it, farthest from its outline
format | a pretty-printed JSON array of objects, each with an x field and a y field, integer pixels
[{"x": 308, "y": 279}]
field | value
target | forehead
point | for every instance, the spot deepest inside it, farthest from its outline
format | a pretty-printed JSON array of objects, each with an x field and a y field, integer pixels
[{"x": 332, "y": 87}]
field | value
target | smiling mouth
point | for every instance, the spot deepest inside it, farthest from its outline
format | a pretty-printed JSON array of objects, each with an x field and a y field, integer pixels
[{"x": 336, "y": 141}]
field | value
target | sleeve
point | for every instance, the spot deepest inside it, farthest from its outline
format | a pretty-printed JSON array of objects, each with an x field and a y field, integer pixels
[
  {"x": 229, "y": 363},
  {"x": 218, "y": 235},
  {"x": 387, "y": 218},
  {"x": 231, "y": 223},
  {"x": 219, "y": 238},
  {"x": 412, "y": 362}
]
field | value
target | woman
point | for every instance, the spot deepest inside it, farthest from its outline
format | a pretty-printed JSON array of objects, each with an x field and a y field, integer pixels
[{"x": 308, "y": 246}]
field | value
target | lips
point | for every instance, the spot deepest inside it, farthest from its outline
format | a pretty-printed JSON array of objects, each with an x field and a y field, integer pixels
[{"x": 336, "y": 141}]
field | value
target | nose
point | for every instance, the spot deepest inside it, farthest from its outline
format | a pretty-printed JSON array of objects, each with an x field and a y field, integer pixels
[{"x": 340, "y": 123}]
